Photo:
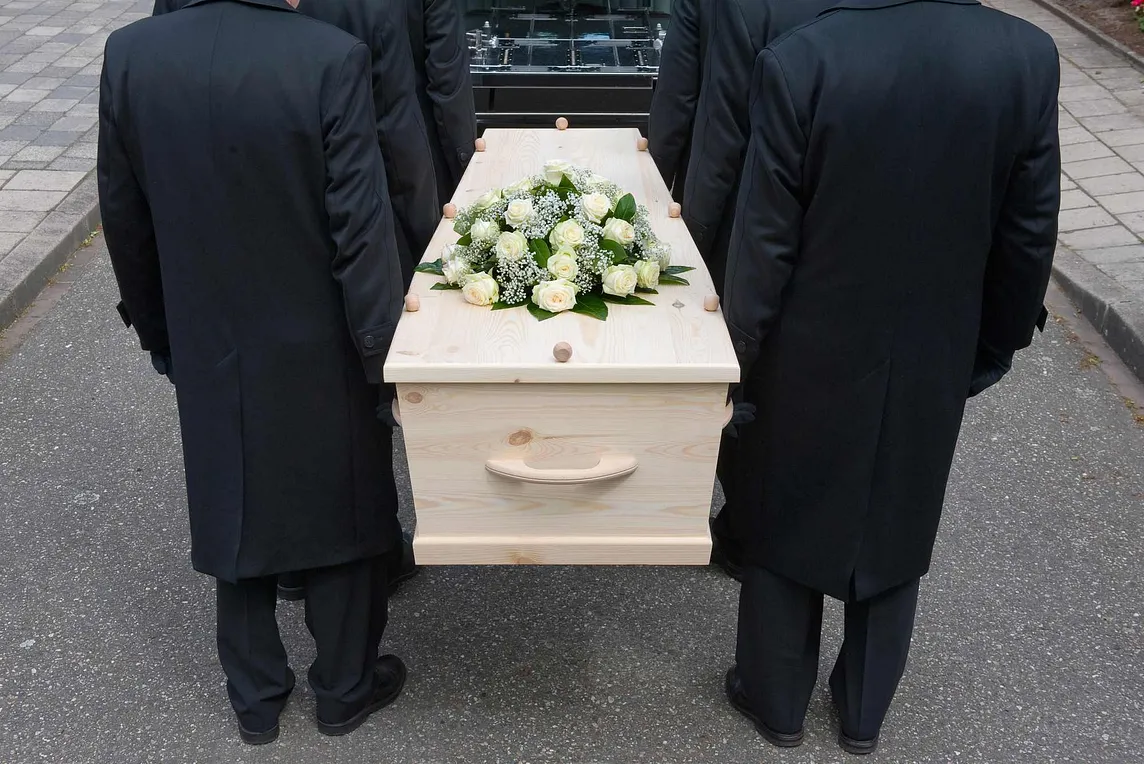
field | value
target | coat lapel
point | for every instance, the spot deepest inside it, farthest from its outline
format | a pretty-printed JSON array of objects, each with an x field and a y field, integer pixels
[{"x": 867, "y": 5}]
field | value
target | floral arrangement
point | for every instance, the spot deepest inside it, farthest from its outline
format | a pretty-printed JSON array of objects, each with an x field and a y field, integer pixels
[
  {"x": 1138, "y": 10},
  {"x": 565, "y": 239}
]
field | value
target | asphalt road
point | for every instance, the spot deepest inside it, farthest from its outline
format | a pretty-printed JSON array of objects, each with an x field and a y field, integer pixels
[{"x": 1029, "y": 645}]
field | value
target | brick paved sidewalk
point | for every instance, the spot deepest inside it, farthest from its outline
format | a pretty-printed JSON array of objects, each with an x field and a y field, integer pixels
[{"x": 51, "y": 52}]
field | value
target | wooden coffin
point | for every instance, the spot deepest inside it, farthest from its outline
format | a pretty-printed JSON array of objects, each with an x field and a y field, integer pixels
[{"x": 607, "y": 458}]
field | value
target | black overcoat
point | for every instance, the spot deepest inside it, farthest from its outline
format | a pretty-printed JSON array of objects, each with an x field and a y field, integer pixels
[
  {"x": 740, "y": 29},
  {"x": 671, "y": 118},
  {"x": 401, "y": 130},
  {"x": 898, "y": 212},
  {"x": 444, "y": 87},
  {"x": 245, "y": 207}
]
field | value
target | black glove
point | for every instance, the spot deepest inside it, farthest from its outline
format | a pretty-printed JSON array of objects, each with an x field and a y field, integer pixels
[
  {"x": 988, "y": 369},
  {"x": 162, "y": 363},
  {"x": 742, "y": 412},
  {"x": 386, "y": 394}
]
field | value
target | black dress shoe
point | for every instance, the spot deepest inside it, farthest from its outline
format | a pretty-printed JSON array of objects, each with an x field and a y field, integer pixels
[
  {"x": 855, "y": 746},
  {"x": 725, "y": 555},
  {"x": 390, "y": 672},
  {"x": 255, "y": 737},
  {"x": 738, "y": 697}
]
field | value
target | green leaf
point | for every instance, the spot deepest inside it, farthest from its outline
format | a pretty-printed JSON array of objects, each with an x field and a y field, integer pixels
[
  {"x": 540, "y": 251},
  {"x": 591, "y": 305},
  {"x": 465, "y": 240},
  {"x": 615, "y": 249},
  {"x": 459, "y": 227},
  {"x": 677, "y": 269},
  {"x": 442, "y": 286},
  {"x": 433, "y": 267},
  {"x": 629, "y": 300},
  {"x": 539, "y": 313},
  {"x": 626, "y": 208},
  {"x": 507, "y": 306},
  {"x": 566, "y": 183},
  {"x": 668, "y": 278},
  {"x": 641, "y": 290}
]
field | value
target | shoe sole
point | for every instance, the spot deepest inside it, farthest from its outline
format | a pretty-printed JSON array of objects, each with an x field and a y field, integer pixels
[
  {"x": 777, "y": 739},
  {"x": 857, "y": 747},
  {"x": 345, "y": 728},
  {"x": 258, "y": 738}
]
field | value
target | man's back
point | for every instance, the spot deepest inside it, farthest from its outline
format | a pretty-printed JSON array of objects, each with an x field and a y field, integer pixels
[{"x": 898, "y": 207}]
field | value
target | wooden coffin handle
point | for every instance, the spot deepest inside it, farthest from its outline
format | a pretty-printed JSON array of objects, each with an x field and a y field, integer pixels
[
  {"x": 561, "y": 123},
  {"x": 711, "y": 303},
  {"x": 412, "y": 303},
  {"x": 449, "y": 211},
  {"x": 641, "y": 143},
  {"x": 728, "y": 413},
  {"x": 674, "y": 210},
  {"x": 610, "y": 467},
  {"x": 479, "y": 144},
  {"x": 396, "y": 412},
  {"x": 562, "y": 352}
]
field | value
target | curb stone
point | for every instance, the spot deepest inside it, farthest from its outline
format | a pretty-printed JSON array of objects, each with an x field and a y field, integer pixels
[
  {"x": 1092, "y": 32},
  {"x": 27, "y": 269},
  {"x": 1109, "y": 307}
]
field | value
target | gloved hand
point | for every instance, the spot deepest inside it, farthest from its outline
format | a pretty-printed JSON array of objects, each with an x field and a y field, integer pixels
[
  {"x": 162, "y": 363},
  {"x": 386, "y": 395},
  {"x": 988, "y": 369},
  {"x": 742, "y": 412}
]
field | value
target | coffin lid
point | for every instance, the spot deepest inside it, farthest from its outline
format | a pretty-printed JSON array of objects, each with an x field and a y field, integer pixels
[{"x": 677, "y": 341}]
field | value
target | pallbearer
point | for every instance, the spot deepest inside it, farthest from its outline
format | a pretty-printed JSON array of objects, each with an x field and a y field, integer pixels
[
  {"x": 892, "y": 246},
  {"x": 247, "y": 215}
]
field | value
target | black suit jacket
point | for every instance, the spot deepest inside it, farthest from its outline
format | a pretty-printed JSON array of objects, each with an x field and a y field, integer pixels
[
  {"x": 740, "y": 30},
  {"x": 671, "y": 118},
  {"x": 246, "y": 211},
  {"x": 402, "y": 133},
  {"x": 444, "y": 87},
  {"x": 898, "y": 211}
]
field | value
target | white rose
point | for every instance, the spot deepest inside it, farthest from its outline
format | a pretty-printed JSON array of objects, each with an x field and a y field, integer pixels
[
  {"x": 554, "y": 171},
  {"x": 567, "y": 234},
  {"x": 484, "y": 230},
  {"x": 595, "y": 206},
  {"x": 620, "y": 280},
  {"x": 524, "y": 184},
  {"x": 448, "y": 253},
  {"x": 647, "y": 273},
  {"x": 562, "y": 265},
  {"x": 486, "y": 200},
  {"x": 620, "y": 231},
  {"x": 455, "y": 270},
  {"x": 555, "y": 296},
  {"x": 518, "y": 213},
  {"x": 512, "y": 245},
  {"x": 480, "y": 289}
]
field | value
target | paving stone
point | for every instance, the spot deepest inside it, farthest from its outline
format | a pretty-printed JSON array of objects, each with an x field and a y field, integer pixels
[
  {"x": 44, "y": 180},
  {"x": 1092, "y": 168},
  {"x": 1098, "y": 238},
  {"x": 1119, "y": 137},
  {"x": 48, "y": 153},
  {"x": 1111, "y": 122},
  {"x": 1066, "y": 184},
  {"x": 1134, "y": 221},
  {"x": 1078, "y": 152},
  {"x": 15, "y": 132},
  {"x": 1073, "y": 135},
  {"x": 1084, "y": 217},
  {"x": 1095, "y": 108},
  {"x": 26, "y": 95},
  {"x": 1071, "y": 93},
  {"x": 73, "y": 164},
  {"x": 1125, "y": 270},
  {"x": 1113, "y": 184},
  {"x": 1076, "y": 199},
  {"x": 1120, "y": 203},
  {"x": 57, "y": 138},
  {"x": 1131, "y": 253},
  {"x": 30, "y": 201},
  {"x": 1134, "y": 153}
]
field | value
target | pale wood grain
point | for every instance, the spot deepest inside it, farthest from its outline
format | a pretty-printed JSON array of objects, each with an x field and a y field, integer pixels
[
  {"x": 656, "y": 514},
  {"x": 448, "y": 340}
]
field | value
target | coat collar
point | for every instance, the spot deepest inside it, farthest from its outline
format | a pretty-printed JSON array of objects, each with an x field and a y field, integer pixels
[
  {"x": 279, "y": 5},
  {"x": 868, "y": 5}
]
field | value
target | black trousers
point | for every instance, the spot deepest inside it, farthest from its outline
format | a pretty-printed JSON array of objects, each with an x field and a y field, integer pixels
[
  {"x": 780, "y": 625},
  {"x": 346, "y": 612},
  {"x": 726, "y": 524}
]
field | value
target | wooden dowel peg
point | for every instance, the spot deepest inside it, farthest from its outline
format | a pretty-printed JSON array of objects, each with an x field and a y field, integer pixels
[
  {"x": 674, "y": 210},
  {"x": 561, "y": 123},
  {"x": 449, "y": 210},
  {"x": 641, "y": 143},
  {"x": 479, "y": 144},
  {"x": 562, "y": 352},
  {"x": 412, "y": 303},
  {"x": 711, "y": 303}
]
